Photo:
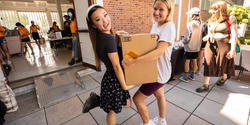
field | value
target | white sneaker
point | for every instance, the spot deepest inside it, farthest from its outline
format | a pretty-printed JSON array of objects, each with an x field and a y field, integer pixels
[
  {"x": 149, "y": 123},
  {"x": 159, "y": 121}
]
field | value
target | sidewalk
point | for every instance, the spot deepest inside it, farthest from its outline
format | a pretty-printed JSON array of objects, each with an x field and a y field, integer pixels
[{"x": 226, "y": 105}]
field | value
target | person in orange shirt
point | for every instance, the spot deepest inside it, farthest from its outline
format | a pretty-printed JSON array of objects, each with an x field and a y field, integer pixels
[
  {"x": 76, "y": 53},
  {"x": 55, "y": 27},
  {"x": 35, "y": 35},
  {"x": 4, "y": 44},
  {"x": 24, "y": 36}
]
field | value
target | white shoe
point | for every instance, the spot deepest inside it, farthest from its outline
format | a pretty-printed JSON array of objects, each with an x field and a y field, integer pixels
[
  {"x": 159, "y": 121},
  {"x": 149, "y": 123}
]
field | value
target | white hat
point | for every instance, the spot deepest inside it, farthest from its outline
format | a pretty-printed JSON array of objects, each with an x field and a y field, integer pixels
[{"x": 193, "y": 11}]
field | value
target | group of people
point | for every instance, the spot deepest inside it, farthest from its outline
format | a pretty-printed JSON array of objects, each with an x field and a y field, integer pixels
[
  {"x": 217, "y": 40},
  {"x": 70, "y": 30}
]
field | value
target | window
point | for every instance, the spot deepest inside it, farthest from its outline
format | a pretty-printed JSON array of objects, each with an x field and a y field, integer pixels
[{"x": 8, "y": 18}]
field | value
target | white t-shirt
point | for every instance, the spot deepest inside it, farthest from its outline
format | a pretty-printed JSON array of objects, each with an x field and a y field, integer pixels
[{"x": 166, "y": 33}]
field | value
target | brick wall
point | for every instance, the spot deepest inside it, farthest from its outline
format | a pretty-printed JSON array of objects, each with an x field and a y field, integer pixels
[{"x": 133, "y": 16}]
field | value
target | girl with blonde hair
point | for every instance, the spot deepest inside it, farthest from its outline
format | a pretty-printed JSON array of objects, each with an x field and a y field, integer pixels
[
  {"x": 220, "y": 48},
  {"x": 165, "y": 30}
]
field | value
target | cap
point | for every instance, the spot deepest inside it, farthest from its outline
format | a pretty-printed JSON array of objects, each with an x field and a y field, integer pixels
[{"x": 193, "y": 11}]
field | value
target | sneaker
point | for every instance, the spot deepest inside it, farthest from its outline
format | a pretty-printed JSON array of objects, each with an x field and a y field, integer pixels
[
  {"x": 184, "y": 79},
  {"x": 159, "y": 121},
  {"x": 72, "y": 62},
  {"x": 191, "y": 76},
  {"x": 149, "y": 123},
  {"x": 92, "y": 102},
  {"x": 221, "y": 82},
  {"x": 204, "y": 88}
]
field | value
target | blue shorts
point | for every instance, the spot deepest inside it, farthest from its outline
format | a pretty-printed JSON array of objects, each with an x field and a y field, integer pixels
[
  {"x": 150, "y": 88},
  {"x": 2, "y": 40}
]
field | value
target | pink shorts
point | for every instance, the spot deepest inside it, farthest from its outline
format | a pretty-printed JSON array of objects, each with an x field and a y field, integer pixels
[{"x": 150, "y": 88}]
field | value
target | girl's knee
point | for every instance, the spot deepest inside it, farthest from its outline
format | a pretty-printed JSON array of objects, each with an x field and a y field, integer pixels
[{"x": 160, "y": 97}]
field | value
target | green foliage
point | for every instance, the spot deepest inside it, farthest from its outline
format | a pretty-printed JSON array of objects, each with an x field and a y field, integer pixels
[{"x": 241, "y": 13}]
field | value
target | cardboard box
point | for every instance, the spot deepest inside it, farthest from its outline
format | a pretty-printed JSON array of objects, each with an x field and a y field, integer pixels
[{"x": 139, "y": 44}]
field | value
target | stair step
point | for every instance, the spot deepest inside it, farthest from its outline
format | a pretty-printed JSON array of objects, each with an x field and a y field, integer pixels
[{"x": 21, "y": 83}]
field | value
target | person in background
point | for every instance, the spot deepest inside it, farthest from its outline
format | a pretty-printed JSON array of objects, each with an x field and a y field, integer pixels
[
  {"x": 76, "y": 53},
  {"x": 55, "y": 27},
  {"x": 24, "y": 36},
  {"x": 3, "y": 43},
  {"x": 220, "y": 48},
  {"x": 165, "y": 30},
  {"x": 51, "y": 33},
  {"x": 201, "y": 52},
  {"x": 66, "y": 31},
  {"x": 34, "y": 32},
  {"x": 114, "y": 91},
  {"x": 192, "y": 43}
]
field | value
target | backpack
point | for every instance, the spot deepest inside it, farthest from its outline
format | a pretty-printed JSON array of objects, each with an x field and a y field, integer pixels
[
  {"x": 238, "y": 44},
  {"x": 3, "y": 110}
]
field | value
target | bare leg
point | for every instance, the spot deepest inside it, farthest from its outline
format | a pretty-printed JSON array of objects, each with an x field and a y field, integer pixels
[
  {"x": 194, "y": 67},
  {"x": 111, "y": 120},
  {"x": 22, "y": 46},
  {"x": 187, "y": 62},
  {"x": 206, "y": 80},
  {"x": 4, "y": 46},
  {"x": 224, "y": 76},
  {"x": 29, "y": 44},
  {"x": 138, "y": 99},
  {"x": 159, "y": 94},
  {"x": 200, "y": 60},
  {"x": 38, "y": 43}
]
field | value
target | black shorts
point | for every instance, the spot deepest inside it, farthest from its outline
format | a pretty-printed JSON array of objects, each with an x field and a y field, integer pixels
[
  {"x": 203, "y": 44},
  {"x": 191, "y": 55},
  {"x": 35, "y": 35},
  {"x": 25, "y": 40}
]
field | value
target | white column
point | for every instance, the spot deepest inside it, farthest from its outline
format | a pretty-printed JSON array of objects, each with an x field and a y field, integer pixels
[
  {"x": 59, "y": 9},
  {"x": 179, "y": 20},
  {"x": 48, "y": 16}
]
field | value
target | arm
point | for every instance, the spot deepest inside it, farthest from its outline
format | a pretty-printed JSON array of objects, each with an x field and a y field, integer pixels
[
  {"x": 233, "y": 41},
  {"x": 186, "y": 37},
  {"x": 151, "y": 56},
  {"x": 117, "y": 68}
]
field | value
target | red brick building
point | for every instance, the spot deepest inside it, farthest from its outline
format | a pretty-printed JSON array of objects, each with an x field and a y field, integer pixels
[{"x": 135, "y": 16}]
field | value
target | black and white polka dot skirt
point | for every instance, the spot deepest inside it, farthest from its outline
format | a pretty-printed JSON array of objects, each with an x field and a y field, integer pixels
[{"x": 113, "y": 97}]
